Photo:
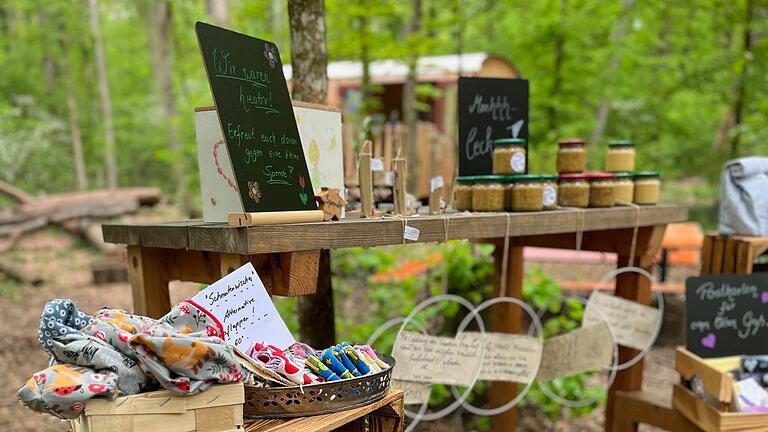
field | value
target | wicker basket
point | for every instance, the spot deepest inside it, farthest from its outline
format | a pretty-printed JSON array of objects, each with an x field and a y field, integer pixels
[{"x": 333, "y": 396}]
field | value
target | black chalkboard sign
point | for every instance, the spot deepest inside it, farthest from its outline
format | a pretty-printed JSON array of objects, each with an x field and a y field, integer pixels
[
  {"x": 489, "y": 109},
  {"x": 727, "y": 314},
  {"x": 256, "y": 116}
]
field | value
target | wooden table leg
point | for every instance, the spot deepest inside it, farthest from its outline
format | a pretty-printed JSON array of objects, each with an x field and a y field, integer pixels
[
  {"x": 506, "y": 318},
  {"x": 636, "y": 287},
  {"x": 148, "y": 275}
]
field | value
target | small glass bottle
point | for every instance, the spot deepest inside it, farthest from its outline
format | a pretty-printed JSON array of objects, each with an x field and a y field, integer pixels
[
  {"x": 488, "y": 193},
  {"x": 549, "y": 194},
  {"x": 571, "y": 156},
  {"x": 525, "y": 193},
  {"x": 601, "y": 193},
  {"x": 573, "y": 190},
  {"x": 624, "y": 188},
  {"x": 620, "y": 156},
  {"x": 647, "y": 187},
  {"x": 462, "y": 193},
  {"x": 509, "y": 156}
]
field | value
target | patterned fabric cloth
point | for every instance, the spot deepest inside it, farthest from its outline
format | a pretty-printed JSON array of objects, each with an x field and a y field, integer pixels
[{"x": 182, "y": 352}]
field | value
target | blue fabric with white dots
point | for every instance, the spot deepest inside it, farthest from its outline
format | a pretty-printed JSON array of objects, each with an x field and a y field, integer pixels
[{"x": 60, "y": 317}]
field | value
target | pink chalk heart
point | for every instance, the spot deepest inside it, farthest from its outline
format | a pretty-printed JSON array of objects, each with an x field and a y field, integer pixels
[
  {"x": 764, "y": 297},
  {"x": 709, "y": 341}
]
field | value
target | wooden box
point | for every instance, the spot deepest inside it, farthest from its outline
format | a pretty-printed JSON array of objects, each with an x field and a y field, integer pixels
[
  {"x": 219, "y": 409},
  {"x": 718, "y": 385}
]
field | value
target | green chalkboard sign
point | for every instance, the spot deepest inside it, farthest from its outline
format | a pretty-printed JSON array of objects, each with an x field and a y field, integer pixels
[{"x": 256, "y": 116}]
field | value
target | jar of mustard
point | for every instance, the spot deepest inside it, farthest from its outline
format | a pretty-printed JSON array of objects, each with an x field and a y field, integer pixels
[
  {"x": 571, "y": 156},
  {"x": 525, "y": 193},
  {"x": 647, "y": 187},
  {"x": 573, "y": 190},
  {"x": 462, "y": 193},
  {"x": 509, "y": 156},
  {"x": 620, "y": 156},
  {"x": 624, "y": 188},
  {"x": 488, "y": 193},
  {"x": 549, "y": 194},
  {"x": 601, "y": 193}
]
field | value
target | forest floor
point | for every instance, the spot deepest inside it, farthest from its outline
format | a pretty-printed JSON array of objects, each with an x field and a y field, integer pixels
[{"x": 64, "y": 263}]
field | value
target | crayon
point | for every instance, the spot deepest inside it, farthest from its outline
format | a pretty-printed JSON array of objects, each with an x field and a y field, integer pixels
[
  {"x": 317, "y": 367},
  {"x": 335, "y": 364}
]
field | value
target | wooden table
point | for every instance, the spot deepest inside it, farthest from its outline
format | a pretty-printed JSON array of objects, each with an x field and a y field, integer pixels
[{"x": 203, "y": 252}]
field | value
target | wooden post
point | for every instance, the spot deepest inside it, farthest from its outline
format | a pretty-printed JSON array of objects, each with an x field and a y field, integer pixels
[
  {"x": 399, "y": 168},
  {"x": 148, "y": 273},
  {"x": 434, "y": 201},
  {"x": 635, "y": 287},
  {"x": 366, "y": 180},
  {"x": 506, "y": 318}
]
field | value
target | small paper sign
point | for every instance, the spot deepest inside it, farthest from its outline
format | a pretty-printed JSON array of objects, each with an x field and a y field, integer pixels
[
  {"x": 389, "y": 178},
  {"x": 582, "y": 350},
  {"x": 242, "y": 305},
  {"x": 413, "y": 392},
  {"x": 436, "y": 183},
  {"x": 508, "y": 357},
  {"x": 411, "y": 233},
  {"x": 633, "y": 325},
  {"x": 377, "y": 164},
  {"x": 436, "y": 359}
]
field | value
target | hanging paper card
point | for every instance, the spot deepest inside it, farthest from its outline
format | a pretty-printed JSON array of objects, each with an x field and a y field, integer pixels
[
  {"x": 508, "y": 357},
  {"x": 633, "y": 325},
  {"x": 582, "y": 350},
  {"x": 435, "y": 359}
]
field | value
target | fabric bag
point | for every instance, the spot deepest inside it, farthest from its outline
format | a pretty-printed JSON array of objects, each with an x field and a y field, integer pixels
[{"x": 744, "y": 197}]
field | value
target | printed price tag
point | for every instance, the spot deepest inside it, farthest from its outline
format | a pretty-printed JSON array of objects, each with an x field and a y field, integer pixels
[
  {"x": 436, "y": 183},
  {"x": 377, "y": 164},
  {"x": 411, "y": 233},
  {"x": 389, "y": 178}
]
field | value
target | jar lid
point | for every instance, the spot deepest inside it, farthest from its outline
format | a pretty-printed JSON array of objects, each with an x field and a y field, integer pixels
[
  {"x": 625, "y": 175},
  {"x": 490, "y": 179},
  {"x": 525, "y": 178},
  {"x": 574, "y": 177},
  {"x": 622, "y": 143},
  {"x": 466, "y": 179},
  {"x": 646, "y": 174},
  {"x": 548, "y": 176},
  {"x": 598, "y": 176},
  {"x": 504, "y": 142},
  {"x": 573, "y": 142}
]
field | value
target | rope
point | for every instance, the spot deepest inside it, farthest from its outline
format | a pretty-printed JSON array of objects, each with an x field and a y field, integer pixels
[
  {"x": 505, "y": 261},
  {"x": 579, "y": 225}
]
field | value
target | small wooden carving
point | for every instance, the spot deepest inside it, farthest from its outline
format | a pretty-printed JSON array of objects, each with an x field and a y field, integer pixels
[{"x": 331, "y": 203}]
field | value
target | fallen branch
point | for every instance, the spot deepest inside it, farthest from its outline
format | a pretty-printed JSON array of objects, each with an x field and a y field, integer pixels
[
  {"x": 13, "y": 192},
  {"x": 15, "y": 272}
]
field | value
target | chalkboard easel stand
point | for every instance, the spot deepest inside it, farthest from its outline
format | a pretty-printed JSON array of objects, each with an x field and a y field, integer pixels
[{"x": 241, "y": 219}]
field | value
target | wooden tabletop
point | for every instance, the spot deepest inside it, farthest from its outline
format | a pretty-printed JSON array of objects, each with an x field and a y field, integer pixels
[{"x": 218, "y": 237}]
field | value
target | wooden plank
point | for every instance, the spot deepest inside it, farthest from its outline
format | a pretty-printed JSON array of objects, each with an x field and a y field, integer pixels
[
  {"x": 706, "y": 255},
  {"x": 710, "y": 419},
  {"x": 386, "y": 231},
  {"x": 170, "y": 235},
  {"x": 716, "y": 382},
  {"x": 745, "y": 258},
  {"x": 717, "y": 255},
  {"x": 325, "y": 422},
  {"x": 729, "y": 255},
  {"x": 149, "y": 277},
  {"x": 651, "y": 408},
  {"x": 506, "y": 318},
  {"x": 121, "y": 234}
]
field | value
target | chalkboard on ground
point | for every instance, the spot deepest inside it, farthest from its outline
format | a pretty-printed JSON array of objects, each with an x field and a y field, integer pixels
[
  {"x": 489, "y": 109},
  {"x": 257, "y": 119},
  {"x": 727, "y": 315}
]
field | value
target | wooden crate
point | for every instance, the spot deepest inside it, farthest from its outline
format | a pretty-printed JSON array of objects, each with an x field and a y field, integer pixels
[
  {"x": 718, "y": 384},
  {"x": 219, "y": 409}
]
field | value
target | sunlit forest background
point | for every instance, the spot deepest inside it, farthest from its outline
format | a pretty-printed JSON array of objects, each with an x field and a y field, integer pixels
[{"x": 686, "y": 80}]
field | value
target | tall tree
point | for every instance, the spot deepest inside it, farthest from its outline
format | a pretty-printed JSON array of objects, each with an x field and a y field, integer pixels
[
  {"x": 110, "y": 161},
  {"x": 310, "y": 83},
  {"x": 218, "y": 10},
  {"x": 409, "y": 87}
]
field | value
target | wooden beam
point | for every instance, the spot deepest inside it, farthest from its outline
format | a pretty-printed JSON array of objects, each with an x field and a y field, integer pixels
[
  {"x": 640, "y": 406},
  {"x": 148, "y": 274}
]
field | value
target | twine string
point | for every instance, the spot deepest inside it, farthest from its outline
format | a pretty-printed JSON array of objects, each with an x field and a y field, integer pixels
[{"x": 505, "y": 261}]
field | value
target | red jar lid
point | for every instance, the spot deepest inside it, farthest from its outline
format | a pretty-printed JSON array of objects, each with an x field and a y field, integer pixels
[
  {"x": 574, "y": 177},
  {"x": 573, "y": 142},
  {"x": 597, "y": 176}
]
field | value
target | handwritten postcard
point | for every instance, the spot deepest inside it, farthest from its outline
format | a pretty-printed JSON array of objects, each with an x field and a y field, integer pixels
[
  {"x": 582, "y": 350},
  {"x": 413, "y": 392},
  {"x": 246, "y": 312},
  {"x": 508, "y": 357},
  {"x": 436, "y": 359},
  {"x": 633, "y": 325}
]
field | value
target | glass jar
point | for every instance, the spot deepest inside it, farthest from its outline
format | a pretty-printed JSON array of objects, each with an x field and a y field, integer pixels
[
  {"x": 647, "y": 187},
  {"x": 509, "y": 156},
  {"x": 549, "y": 194},
  {"x": 488, "y": 193},
  {"x": 573, "y": 190},
  {"x": 571, "y": 156},
  {"x": 525, "y": 193},
  {"x": 601, "y": 193},
  {"x": 462, "y": 193},
  {"x": 620, "y": 156},
  {"x": 624, "y": 188}
]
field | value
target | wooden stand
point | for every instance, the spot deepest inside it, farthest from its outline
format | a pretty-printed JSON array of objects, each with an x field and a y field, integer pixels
[
  {"x": 239, "y": 220},
  {"x": 731, "y": 254}
]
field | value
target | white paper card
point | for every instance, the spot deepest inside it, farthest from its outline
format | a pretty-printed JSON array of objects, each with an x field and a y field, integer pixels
[
  {"x": 633, "y": 325},
  {"x": 413, "y": 392},
  {"x": 582, "y": 350},
  {"x": 436, "y": 359},
  {"x": 411, "y": 233},
  {"x": 377, "y": 164},
  {"x": 389, "y": 178},
  {"x": 436, "y": 183},
  {"x": 243, "y": 307},
  {"x": 508, "y": 357}
]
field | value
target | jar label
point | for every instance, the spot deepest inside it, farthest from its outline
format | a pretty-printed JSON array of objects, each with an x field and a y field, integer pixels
[
  {"x": 550, "y": 196},
  {"x": 517, "y": 162}
]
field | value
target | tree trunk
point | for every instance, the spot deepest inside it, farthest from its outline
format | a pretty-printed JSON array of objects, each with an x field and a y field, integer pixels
[
  {"x": 310, "y": 83},
  {"x": 218, "y": 10},
  {"x": 77, "y": 141},
  {"x": 366, "y": 87},
  {"x": 277, "y": 21},
  {"x": 459, "y": 32},
  {"x": 603, "y": 109},
  {"x": 110, "y": 161},
  {"x": 409, "y": 89},
  {"x": 557, "y": 72},
  {"x": 159, "y": 21}
]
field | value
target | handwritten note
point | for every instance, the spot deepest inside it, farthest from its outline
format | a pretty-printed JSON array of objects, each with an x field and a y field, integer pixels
[
  {"x": 436, "y": 359},
  {"x": 413, "y": 392},
  {"x": 243, "y": 307},
  {"x": 508, "y": 357},
  {"x": 582, "y": 350},
  {"x": 633, "y": 325}
]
